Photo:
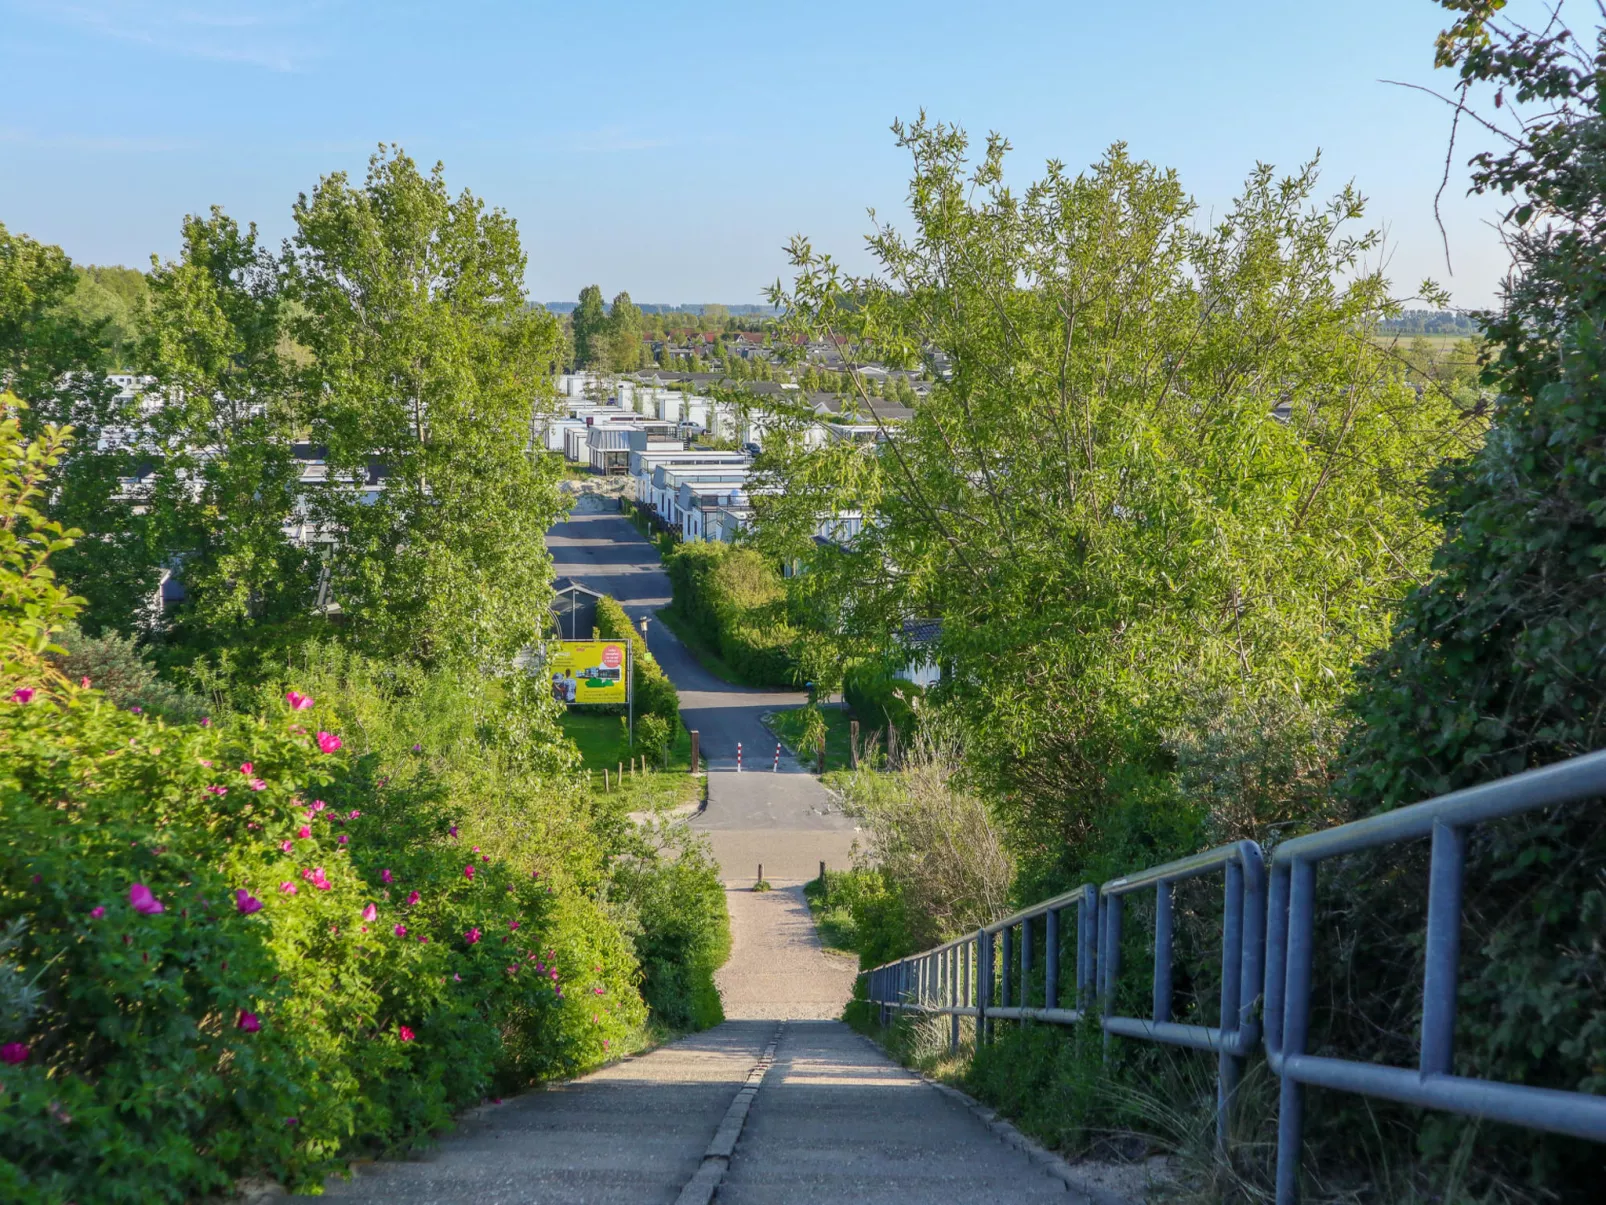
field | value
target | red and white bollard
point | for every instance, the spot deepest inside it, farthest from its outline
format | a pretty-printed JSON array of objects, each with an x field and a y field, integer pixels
[
  {"x": 738, "y": 757},
  {"x": 777, "y": 757}
]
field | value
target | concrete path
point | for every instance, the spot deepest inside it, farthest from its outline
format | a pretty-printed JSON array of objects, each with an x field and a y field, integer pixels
[
  {"x": 632, "y": 1132},
  {"x": 835, "y": 1121}
]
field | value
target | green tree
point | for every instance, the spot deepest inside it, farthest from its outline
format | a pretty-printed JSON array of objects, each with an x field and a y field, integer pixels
[
  {"x": 227, "y": 486},
  {"x": 1166, "y": 462},
  {"x": 589, "y": 322},
  {"x": 425, "y": 364},
  {"x": 623, "y": 335},
  {"x": 55, "y": 360},
  {"x": 118, "y": 297}
]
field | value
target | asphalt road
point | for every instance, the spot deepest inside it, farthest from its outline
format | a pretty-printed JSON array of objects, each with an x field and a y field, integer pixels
[{"x": 606, "y": 553}]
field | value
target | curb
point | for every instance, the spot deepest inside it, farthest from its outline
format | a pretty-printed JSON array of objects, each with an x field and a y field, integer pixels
[
  {"x": 1055, "y": 1165},
  {"x": 700, "y": 1189}
]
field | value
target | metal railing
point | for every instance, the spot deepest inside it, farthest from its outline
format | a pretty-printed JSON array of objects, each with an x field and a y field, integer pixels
[{"x": 1267, "y": 946}]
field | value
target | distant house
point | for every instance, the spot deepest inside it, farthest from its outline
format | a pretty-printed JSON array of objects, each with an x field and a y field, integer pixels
[
  {"x": 919, "y": 639},
  {"x": 574, "y": 609}
]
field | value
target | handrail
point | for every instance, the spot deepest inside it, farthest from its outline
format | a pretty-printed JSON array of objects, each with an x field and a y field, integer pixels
[{"x": 1267, "y": 931}]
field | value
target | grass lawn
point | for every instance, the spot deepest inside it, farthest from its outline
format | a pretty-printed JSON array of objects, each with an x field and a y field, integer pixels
[
  {"x": 602, "y": 745},
  {"x": 787, "y": 724}
]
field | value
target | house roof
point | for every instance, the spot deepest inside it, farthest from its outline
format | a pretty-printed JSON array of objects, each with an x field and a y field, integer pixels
[{"x": 921, "y": 631}]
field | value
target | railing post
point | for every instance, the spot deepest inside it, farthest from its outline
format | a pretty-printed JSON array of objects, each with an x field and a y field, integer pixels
[
  {"x": 1445, "y": 875},
  {"x": 953, "y": 998},
  {"x": 1025, "y": 962},
  {"x": 984, "y": 982},
  {"x": 1051, "y": 959},
  {"x": 1006, "y": 959},
  {"x": 1109, "y": 960},
  {"x": 1087, "y": 947},
  {"x": 966, "y": 978},
  {"x": 1228, "y": 1065},
  {"x": 1296, "y": 1022}
]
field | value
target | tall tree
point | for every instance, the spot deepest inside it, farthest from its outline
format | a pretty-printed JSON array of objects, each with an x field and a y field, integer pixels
[
  {"x": 55, "y": 360},
  {"x": 589, "y": 323},
  {"x": 1167, "y": 469},
  {"x": 226, "y": 486},
  {"x": 425, "y": 363},
  {"x": 624, "y": 335}
]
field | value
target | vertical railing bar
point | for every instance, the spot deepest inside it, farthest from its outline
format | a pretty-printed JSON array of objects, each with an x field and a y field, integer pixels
[
  {"x": 1006, "y": 957},
  {"x": 1296, "y": 1021},
  {"x": 1446, "y": 874},
  {"x": 1051, "y": 958},
  {"x": 1025, "y": 962},
  {"x": 1228, "y": 1063}
]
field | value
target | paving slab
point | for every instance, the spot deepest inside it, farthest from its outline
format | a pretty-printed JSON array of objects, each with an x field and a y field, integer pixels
[{"x": 778, "y": 968}]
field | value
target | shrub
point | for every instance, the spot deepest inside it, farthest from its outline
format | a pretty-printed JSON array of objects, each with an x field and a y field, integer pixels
[
  {"x": 734, "y": 601},
  {"x": 880, "y": 702},
  {"x": 117, "y": 668},
  {"x": 655, "y": 693}
]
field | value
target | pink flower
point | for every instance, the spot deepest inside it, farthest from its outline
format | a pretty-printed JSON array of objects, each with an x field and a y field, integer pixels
[
  {"x": 418, "y": 748},
  {"x": 246, "y": 902},
  {"x": 328, "y": 742},
  {"x": 256, "y": 784},
  {"x": 246, "y": 768},
  {"x": 248, "y": 1022},
  {"x": 412, "y": 898},
  {"x": 472, "y": 936},
  {"x": 22, "y": 694},
  {"x": 404, "y": 1033},
  {"x": 289, "y": 888},
  {"x": 456, "y": 978},
  {"x": 423, "y": 941},
  {"x": 596, "y": 991},
  {"x": 14, "y": 1053},
  {"x": 97, "y": 912},
  {"x": 297, "y": 700},
  {"x": 144, "y": 902},
  {"x": 286, "y": 846},
  {"x": 370, "y": 912},
  {"x": 206, "y": 721},
  {"x": 385, "y": 876},
  {"x": 343, "y": 839},
  {"x": 304, "y": 831},
  {"x": 318, "y": 805},
  {"x": 468, "y": 873},
  {"x": 485, "y": 857},
  {"x": 84, "y": 682},
  {"x": 217, "y": 790},
  {"x": 452, "y": 830},
  {"x": 290, "y": 1121},
  {"x": 354, "y": 814},
  {"x": 135, "y": 710},
  {"x": 513, "y": 924},
  {"x": 400, "y": 930},
  {"x": 476, "y": 849},
  {"x": 315, "y": 877}
]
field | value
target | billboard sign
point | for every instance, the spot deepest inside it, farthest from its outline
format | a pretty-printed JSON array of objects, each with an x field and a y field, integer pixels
[{"x": 589, "y": 671}]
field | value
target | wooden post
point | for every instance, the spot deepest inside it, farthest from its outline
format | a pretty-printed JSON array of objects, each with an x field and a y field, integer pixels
[
  {"x": 892, "y": 745},
  {"x": 761, "y": 872},
  {"x": 853, "y": 744},
  {"x": 606, "y": 786},
  {"x": 694, "y": 750},
  {"x": 621, "y": 774},
  {"x": 821, "y": 760},
  {"x": 825, "y": 887}
]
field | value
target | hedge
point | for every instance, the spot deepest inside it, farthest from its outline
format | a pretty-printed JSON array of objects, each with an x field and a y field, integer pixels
[
  {"x": 878, "y": 700},
  {"x": 735, "y": 602},
  {"x": 655, "y": 693}
]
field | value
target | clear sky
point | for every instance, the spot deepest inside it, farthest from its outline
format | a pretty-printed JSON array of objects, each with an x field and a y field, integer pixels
[{"x": 671, "y": 150}]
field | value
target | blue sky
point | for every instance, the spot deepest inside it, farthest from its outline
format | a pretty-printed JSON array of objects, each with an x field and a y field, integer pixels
[{"x": 671, "y": 150}]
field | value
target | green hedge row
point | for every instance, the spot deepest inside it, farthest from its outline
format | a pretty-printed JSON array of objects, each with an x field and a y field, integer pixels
[
  {"x": 655, "y": 693},
  {"x": 735, "y": 602}
]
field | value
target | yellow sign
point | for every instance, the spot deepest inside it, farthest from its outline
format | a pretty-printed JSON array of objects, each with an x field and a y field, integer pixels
[{"x": 590, "y": 671}]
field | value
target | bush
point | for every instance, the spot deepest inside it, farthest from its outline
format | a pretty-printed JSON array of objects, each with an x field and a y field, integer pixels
[
  {"x": 117, "y": 668},
  {"x": 655, "y": 693},
  {"x": 735, "y": 603},
  {"x": 879, "y": 702}
]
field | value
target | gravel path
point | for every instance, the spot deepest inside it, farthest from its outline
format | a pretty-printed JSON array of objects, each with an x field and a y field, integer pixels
[{"x": 777, "y": 966}]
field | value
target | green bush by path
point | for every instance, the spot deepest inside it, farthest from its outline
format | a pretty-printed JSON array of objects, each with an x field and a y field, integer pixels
[
  {"x": 655, "y": 693},
  {"x": 734, "y": 602},
  {"x": 879, "y": 702}
]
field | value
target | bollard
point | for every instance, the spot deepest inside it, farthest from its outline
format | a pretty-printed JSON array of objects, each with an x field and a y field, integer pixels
[
  {"x": 694, "y": 740},
  {"x": 820, "y": 764},
  {"x": 853, "y": 744},
  {"x": 607, "y": 787},
  {"x": 777, "y": 757},
  {"x": 738, "y": 757},
  {"x": 761, "y": 872},
  {"x": 825, "y": 886}
]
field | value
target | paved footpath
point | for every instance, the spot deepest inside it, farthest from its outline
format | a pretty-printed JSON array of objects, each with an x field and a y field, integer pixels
[{"x": 781, "y": 1103}]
